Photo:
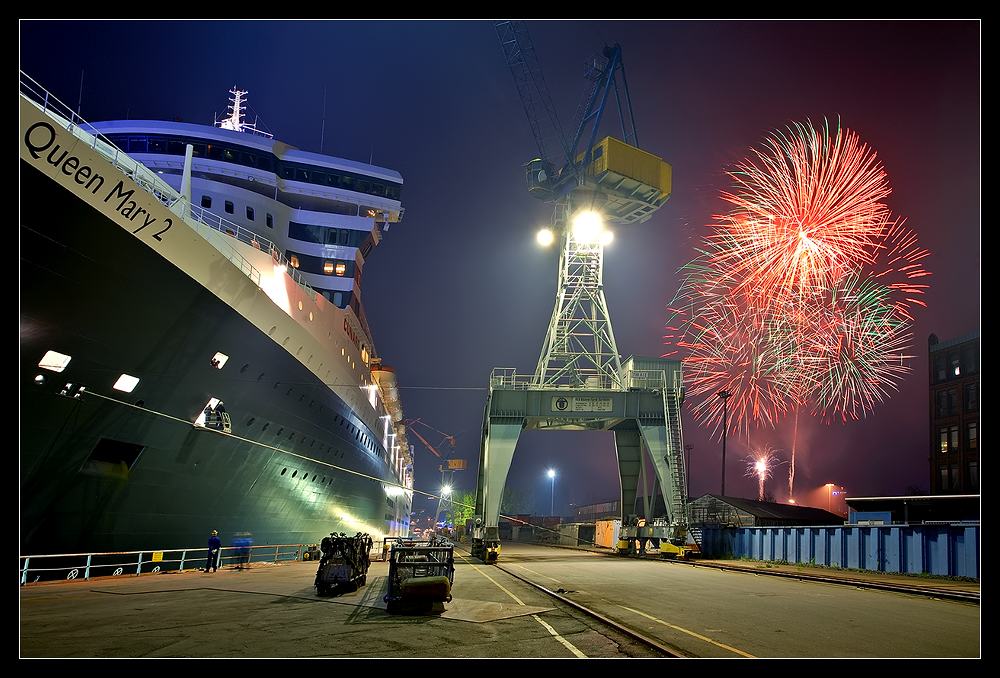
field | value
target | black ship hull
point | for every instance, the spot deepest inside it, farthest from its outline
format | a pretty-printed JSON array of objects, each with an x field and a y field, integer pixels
[{"x": 133, "y": 473}]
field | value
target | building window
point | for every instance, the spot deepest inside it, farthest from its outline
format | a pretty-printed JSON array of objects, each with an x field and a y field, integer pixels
[
  {"x": 206, "y": 201},
  {"x": 970, "y": 360},
  {"x": 971, "y": 397},
  {"x": 948, "y": 439},
  {"x": 972, "y": 435},
  {"x": 229, "y": 207},
  {"x": 940, "y": 373},
  {"x": 269, "y": 220},
  {"x": 954, "y": 477},
  {"x": 328, "y": 267},
  {"x": 954, "y": 367},
  {"x": 250, "y": 213},
  {"x": 341, "y": 268},
  {"x": 943, "y": 471},
  {"x": 974, "y": 475}
]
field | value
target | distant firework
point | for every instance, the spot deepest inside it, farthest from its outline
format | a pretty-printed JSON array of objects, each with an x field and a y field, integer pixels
[
  {"x": 761, "y": 465},
  {"x": 802, "y": 296}
]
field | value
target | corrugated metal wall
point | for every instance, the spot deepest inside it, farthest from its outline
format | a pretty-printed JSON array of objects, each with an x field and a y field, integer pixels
[{"x": 949, "y": 549}]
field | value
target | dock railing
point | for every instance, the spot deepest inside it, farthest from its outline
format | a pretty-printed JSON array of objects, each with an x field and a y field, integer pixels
[{"x": 68, "y": 566}]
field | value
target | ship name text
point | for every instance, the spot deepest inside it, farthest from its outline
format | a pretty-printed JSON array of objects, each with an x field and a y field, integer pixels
[
  {"x": 41, "y": 138},
  {"x": 351, "y": 334}
]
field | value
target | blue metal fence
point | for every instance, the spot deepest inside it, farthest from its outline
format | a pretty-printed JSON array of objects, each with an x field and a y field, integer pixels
[{"x": 942, "y": 549}]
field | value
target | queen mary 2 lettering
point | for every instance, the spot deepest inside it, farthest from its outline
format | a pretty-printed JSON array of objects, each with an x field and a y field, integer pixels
[{"x": 194, "y": 349}]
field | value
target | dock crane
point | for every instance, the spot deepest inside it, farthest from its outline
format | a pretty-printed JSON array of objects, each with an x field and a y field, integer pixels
[
  {"x": 448, "y": 466},
  {"x": 580, "y": 381}
]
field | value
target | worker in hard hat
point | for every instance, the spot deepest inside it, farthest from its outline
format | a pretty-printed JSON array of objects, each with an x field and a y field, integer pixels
[{"x": 214, "y": 552}]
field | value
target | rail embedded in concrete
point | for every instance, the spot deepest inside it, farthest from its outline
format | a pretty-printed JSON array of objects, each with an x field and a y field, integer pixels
[
  {"x": 666, "y": 650},
  {"x": 927, "y": 591}
]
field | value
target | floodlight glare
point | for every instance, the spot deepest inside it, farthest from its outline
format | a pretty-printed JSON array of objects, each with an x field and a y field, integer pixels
[
  {"x": 545, "y": 237},
  {"x": 588, "y": 226}
]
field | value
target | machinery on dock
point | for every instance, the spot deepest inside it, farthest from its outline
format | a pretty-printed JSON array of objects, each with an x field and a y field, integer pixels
[
  {"x": 581, "y": 381},
  {"x": 421, "y": 574},
  {"x": 343, "y": 564}
]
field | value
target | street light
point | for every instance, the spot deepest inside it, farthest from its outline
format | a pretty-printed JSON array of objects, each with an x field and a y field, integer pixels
[
  {"x": 445, "y": 490},
  {"x": 725, "y": 395},
  {"x": 829, "y": 497},
  {"x": 551, "y": 473}
]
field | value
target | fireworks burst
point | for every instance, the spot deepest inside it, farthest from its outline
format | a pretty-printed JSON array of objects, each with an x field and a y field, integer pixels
[
  {"x": 802, "y": 296},
  {"x": 761, "y": 465}
]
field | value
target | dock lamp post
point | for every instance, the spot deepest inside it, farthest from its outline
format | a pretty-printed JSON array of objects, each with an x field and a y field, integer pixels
[
  {"x": 725, "y": 395},
  {"x": 551, "y": 473}
]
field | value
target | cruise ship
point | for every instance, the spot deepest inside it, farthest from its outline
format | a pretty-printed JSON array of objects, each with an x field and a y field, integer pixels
[{"x": 194, "y": 348}]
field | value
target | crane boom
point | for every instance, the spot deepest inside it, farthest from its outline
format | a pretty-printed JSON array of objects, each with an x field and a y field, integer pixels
[{"x": 519, "y": 53}]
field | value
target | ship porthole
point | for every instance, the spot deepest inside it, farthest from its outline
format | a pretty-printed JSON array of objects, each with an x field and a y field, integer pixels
[
  {"x": 39, "y": 379},
  {"x": 251, "y": 421},
  {"x": 271, "y": 331},
  {"x": 294, "y": 473},
  {"x": 244, "y": 368},
  {"x": 284, "y": 471}
]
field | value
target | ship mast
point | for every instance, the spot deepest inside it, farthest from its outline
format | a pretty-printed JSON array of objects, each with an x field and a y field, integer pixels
[{"x": 234, "y": 121}]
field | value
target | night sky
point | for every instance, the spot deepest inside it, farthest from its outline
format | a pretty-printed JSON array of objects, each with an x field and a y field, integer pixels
[{"x": 460, "y": 286}]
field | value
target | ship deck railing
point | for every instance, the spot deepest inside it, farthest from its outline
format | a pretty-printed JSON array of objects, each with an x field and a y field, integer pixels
[
  {"x": 150, "y": 181},
  {"x": 70, "y": 566}
]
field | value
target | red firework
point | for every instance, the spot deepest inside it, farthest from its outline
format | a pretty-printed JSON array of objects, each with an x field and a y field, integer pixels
[
  {"x": 802, "y": 296},
  {"x": 807, "y": 207}
]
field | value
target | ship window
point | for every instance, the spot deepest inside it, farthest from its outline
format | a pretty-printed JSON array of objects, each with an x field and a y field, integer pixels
[
  {"x": 210, "y": 405},
  {"x": 55, "y": 361},
  {"x": 250, "y": 213},
  {"x": 251, "y": 420},
  {"x": 112, "y": 458},
  {"x": 284, "y": 470},
  {"x": 294, "y": 261},
  {"x": 215, "y": 152},
  {"x": 314, "y": 478},
  {"x": 328, "y": 267},
  {"x": 206, "y": 201},
  {"x": 287, "y": 172},
  {"x": 229, "y": 155},
  {"x": 157, "y": 145},
  {"x": 301, "y": 175},
  {"x": 137, "y": 145},
  {"x": 295, "y": 473},
  {"x": 39, "y": 379},
  {"x": 175, "y": 147},
  {"x": 219, "y": 360},
  {"x": 199, "y": 150},
  {"x": 269, "y": 220},
  {"x": 229, "y": 207},
  {"x": 126, "y": 383},
  {"x": 341, "y": 268}
]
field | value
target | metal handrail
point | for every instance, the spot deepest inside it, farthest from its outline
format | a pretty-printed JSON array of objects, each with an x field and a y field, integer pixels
[
  {"x": 196, "y": 555},
  {"x": 150, "y": 181},
  {"x": 507, "y": 378}
]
